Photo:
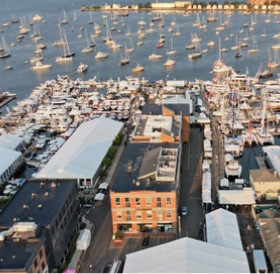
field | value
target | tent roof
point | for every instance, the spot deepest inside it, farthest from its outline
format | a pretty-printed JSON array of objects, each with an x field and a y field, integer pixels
[
  {"x": 186, "y": 255},
  {"x": 10, "y": 141},
  {"x": 222, "y": 229},
  {"x": 99, "y": 197},
  {"x": 81, "y": 155},
  {"x": 103, "y": 185},
  {"x": 10, "y": 157},
  {"x": 246, "y": 196}
]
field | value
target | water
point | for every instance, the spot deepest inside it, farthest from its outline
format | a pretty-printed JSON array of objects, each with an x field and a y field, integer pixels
[{"x": 22, "y": 79}]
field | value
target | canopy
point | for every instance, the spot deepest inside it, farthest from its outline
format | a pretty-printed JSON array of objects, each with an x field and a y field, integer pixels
[
  {"x": 99, "y": 197},
  {"x": 103, "y": 185}
]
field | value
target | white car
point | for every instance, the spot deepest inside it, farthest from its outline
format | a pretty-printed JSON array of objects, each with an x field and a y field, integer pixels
[{"x": 184, "y": 210}]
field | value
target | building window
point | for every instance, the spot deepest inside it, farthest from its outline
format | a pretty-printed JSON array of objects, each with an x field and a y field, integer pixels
[
  {"x": 128, "y": 216},
  {"x": 41, "y": 253},
  {"x": 138, "y": 214},
  {"x": 137, "y": 201},
  {"x": 149, "y": 214},
  {"x": 118, "y": 201},
  {"x": 43, "y": 265},
  {"x": 35, "y": 263},
  {"x": 127, "y": 202},
  {"x": 119, "y": 215},
  {"x": 168, "y": 201},
  {"x": 148, "y": 201},
  {"x": 169, "y": 214},
  {"x": 159, "y": 215},
  {"x": 158, "y": 202}
]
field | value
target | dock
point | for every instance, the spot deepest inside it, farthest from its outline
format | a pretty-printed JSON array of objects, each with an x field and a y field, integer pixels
[
  {"x": 5, "y": 99},
  {"x": 261, "y": 162}
]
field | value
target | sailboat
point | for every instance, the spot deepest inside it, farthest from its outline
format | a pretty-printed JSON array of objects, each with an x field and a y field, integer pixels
[
  {"x": 263, "y": 34},
  {"x": 124, "y": 60},
  {"x": 173, "y": 23},
  {"x": 177, "y": 32},
  {"x": 172, "y": 51},
  {"x": 236, "y": 46},
  {"x": 196, "y": 54},
  {"x": 138, "y": 68},
  {"x": 274, "y": 64},
  {"x": 169, "y": 63},
  {"x": 211, "y": 18},
  {"x": 90, "y": 20},
  {"x": 263, "y": 136},
  {"x": 197, "y": 22},
  {"x": 267, "y": 73},
  {"x": 5, "y": 52},
  {"x": 67, "y": 55},
  {"x": 87, "y": 49},
  {"x": 131, "y": 46},
  {"x": 254, "y": 49},
  {"x": 64, "y": 21},
  {"x": 238, "y": 54},
  {"x": 59, "y": 43},
  {"x": 74, "y": 16}
]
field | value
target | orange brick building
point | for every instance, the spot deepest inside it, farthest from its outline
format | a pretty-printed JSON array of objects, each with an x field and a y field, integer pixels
[
  {"x": 145, "y": 191},
  {"x": 262, "y": 2}
]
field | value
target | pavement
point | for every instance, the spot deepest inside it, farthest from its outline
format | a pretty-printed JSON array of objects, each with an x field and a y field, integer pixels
[{"x": 191, "y": 177}]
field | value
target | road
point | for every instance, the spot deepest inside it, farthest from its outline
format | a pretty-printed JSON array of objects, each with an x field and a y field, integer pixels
[{"x": 190, "y": 193}]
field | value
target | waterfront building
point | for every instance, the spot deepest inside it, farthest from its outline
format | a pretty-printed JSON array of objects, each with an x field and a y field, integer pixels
[
  {"x": 265, "y": 183},
  {"x": 144, "y": 195},
  {"x": 272, "y": 154},
  {"x": 81, "y": 156},
  {"x": 9, "y": 164},
  {"x": 11, "y": 141},
  {"x": 52, "y": 206},
  {"x": 269, "y": 223},
  {"x": 262, "y": 2},
  {"x": 187, "y": 255}
]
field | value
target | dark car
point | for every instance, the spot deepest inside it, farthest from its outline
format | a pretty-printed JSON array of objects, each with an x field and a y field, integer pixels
[{"x": 146, "y": 240}]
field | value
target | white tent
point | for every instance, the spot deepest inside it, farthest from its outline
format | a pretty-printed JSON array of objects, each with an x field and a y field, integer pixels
[
  {"x": 246, "y": 196},
  {"x": 84, "y": 239},
  {"x": 187, "y": 255},
  {"x": 206, "y": 188},
  {"x": 81, "y": 156},
  {"x": 222, "y": 229},
  {"x": 99, "y": 197},
  {"x": 103, "y": 185}
]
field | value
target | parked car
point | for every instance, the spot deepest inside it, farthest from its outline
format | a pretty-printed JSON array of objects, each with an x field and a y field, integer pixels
[
  {"x": 146, "y": 240},
  {"x": 184, "y": 210}
]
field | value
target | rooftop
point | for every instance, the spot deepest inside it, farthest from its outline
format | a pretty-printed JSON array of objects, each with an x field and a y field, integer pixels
[
  {"x": 147, "y": 167},
  {"x": 36, "y": 201},
  {"x": 10, "y": 157},
  {"x": 263, "y": 176},
  {"x": 152, "y": 109},
  {"x": 246, "y": 196},
  {"x": 273, "y": 157},
  {"x": 10, "y": 141}
]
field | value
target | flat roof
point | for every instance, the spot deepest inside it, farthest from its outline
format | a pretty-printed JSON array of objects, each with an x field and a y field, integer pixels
[
  {"x": 134, "y": 157},
  {"x": 222, "y": 229},
  {"x": 15, "y": 256},
  {"x": 10, "y": 141},
  {"x": 7, "y": 161},
  {"x": 152, "y": 109},
  {"x": 273, "y": 154},
  {"x": 51, "y": 204},
  {"x": 263, "y": 176},
  {"x": 187, "y": 255},
  {"x": 82, "y": 154},
  {"x": 246, "y": 196}
]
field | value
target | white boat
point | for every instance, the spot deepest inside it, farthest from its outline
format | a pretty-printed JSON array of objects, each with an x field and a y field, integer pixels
[
  {"x": 67, "y": 55},
  {"x": 81, "y": 68},
  {"x": 211, "y": 44},
  {"x": 233, "y": 169},
  {"x": 124, "y": 60},
  {"x": 196, "y": 54},
  {"x": 138, "y": 68},
  {"x": 236, "y": 46},
  {"x": 155, "y": 56},
  {"x": 37, "y": 18},
  {"x": 5, "y": 52},
  {"x": 64, "y": 21},
  {"x": 169, "y": 63},
  {"x": 59, "y": 43},
  {"x": 171, "y": 51},
  {"x": 8, "y": 67},
  {"x": 101, "y": 55},
  {"x": 88, "y": 48},
  {"x": 254, "y": 49},
  {"x": 39, "y": 66}
]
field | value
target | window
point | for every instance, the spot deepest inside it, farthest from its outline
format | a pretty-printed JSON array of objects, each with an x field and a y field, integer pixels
[
  {"x": 138, "y": 214},
  {"x": 137, "y": 201},
  {"x": 148, "y": 201},
  {"x": 149, "y": 214},
  {"x": 119, "y": 215},
  {"x": 168, "y": 201},
  {"x": 118, "y": 201},
  {"x": 41, "y": 253},
  {"x": 35, "y": 263},
  {"x": 159, "y": 215},
  {"x": 128, "y": 216},
  {"x": 158, "y": 202},
  {"x": 127, "y": 202},
  {"x": 43, "y": 265},
  {"x": 169, "y": 214}
]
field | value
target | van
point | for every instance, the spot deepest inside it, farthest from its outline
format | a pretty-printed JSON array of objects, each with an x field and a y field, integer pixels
[
  {"x": 259, "y": 261},
  {"x": 116, "y": 266}
]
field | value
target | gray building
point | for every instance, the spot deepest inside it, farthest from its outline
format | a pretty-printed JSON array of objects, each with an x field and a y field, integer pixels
[{"x": 52, "y": 205}]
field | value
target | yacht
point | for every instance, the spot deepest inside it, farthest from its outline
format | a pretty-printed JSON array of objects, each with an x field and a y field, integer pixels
[
  {"x": 59, "y": 43},
  {"x": 124, "y": 60},
  {"x": 64, "y": 21},
  {"x": 67, "y": 55},
  {"x": 171, "y": 51},
  {"x": 101, "y": 55},
  {"x": 155, "y": 56},
  {"x": 88, "y": 48},
  {"x": 233, "y": 169},
  {"x": 169, "y": 63},
  {"x": 211, "y": 44},
  {"x": 138, "y": 68},
  {"x": 254, "y": 49},
  {"x": 39, "y": 66},
  {"x": 5, "y": 52},
  {"x": 81, "y": 68},
  {"x": 8, "y": 67},
  {"x": 196, "y": 54}
]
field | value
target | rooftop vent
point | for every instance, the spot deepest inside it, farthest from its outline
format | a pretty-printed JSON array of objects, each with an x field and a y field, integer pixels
[
  {"x": 25, "y": 206},
  {"x": 129, "y": 167},
  {"x": 46, "y": 194},
  {"x": 53, "y": 185},
  {"x": 15, "y": 219},
  {"x": 40, "y": 206},
  {"x": 42, "y": 184},
  {"x": 137, "y": 183},
  {"x": 33, "y": 195},
  {"x": 30, "y": 218}
]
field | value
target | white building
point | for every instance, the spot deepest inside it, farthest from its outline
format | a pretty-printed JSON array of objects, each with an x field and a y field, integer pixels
[
  {"x": 81, "y": 156},
  {"x": 11, "y": 141}
]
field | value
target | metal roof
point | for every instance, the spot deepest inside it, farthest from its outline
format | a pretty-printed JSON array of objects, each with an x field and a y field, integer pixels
[
  {"x": 7, "y": 161},
  {"x": 10, "y": 141},
  {"x": 82, "y": 154}
]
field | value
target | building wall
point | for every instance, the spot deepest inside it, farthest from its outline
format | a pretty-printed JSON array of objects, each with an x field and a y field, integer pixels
[
  {"x": 40, "y": 265},
  {"x": 120, "y": 212},
  {"x": 167, "y": 112},
  {"x": 186, "y": 129},
  {"x": 266, "y": 190}
]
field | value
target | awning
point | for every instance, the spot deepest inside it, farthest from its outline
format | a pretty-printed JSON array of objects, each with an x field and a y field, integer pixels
[
  {"x": 103, "y": 185},
  {"x": 99, "y": 197}
]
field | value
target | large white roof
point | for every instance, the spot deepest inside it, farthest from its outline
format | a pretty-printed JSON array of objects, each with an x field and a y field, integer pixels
[
  {"x": 222, "y": 229},
  {"x": 81, "y": 155},
  {"x": 273, "y": 153},
  {"x": 187, "y": 255},
  {"x": 8, "y": 156},
  {"x": 246, "y": 196},
  {"x": 10, "y": 141}
]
